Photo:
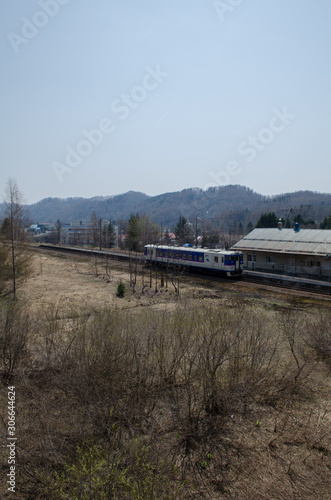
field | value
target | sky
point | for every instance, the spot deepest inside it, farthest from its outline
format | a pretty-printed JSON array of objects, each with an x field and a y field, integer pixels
[{"x": 99, "y": 98}]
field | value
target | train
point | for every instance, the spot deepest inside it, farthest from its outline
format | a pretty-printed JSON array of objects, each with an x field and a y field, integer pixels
[{"x": 222, "y": 262}]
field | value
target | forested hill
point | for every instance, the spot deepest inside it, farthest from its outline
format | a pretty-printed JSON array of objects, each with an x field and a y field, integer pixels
[{"x": 232, "y": 204}]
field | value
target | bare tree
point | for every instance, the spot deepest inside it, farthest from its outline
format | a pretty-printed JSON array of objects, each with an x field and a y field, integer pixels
[
  {"x": 133, "y": 268},
  {"x": 150, "y": 232},
  {"x": 14, "y": 328},
  {"x": 175, "y": 272},
  {"x": 95, "y": 229},
  {"x": 58, "y": 232},
  {"x": 15, "y": 234},
  {"x": 289, "y": 323}
]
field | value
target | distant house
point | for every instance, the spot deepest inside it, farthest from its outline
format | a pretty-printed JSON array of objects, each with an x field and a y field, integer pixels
[
  {"x": 81, "y": 232},
  {"x": 34, "y": 229},
  {"x": 42, "y": 228},
  {"x": 168, "y": 238},
  {"x": 47, "y": 227},
  {"x": 304, "y": 253}
]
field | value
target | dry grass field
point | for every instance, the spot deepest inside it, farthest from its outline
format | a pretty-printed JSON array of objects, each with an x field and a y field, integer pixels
[{"x": 186, "y": 389}]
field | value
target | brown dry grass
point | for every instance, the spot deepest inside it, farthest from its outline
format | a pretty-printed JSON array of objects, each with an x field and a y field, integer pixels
[
  {"x": 79, "y": 282},
  {"x": 270, "y": 443}
]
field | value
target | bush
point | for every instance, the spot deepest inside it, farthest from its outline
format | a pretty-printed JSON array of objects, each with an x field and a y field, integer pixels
[
  {"x": 14, "y": 330},
  {"x": 121, "y": 388},
  {"x": 115, "y": 472},
  {"x": 120, "y": 292},
  {"x": 318, "y": 334}
]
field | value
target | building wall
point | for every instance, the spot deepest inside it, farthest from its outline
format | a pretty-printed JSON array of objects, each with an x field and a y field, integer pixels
[
  {"x": 295, "y": 265},
  {"x": 81, "y": 233}
]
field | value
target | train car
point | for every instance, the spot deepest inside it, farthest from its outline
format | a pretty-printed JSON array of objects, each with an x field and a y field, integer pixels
[{"x": 221, "y": 262}]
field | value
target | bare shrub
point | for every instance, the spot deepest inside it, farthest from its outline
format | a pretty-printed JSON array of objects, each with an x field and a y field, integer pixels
[
  {"x": 49, "y": 332},
  {"x": 14, "y": 331},
  {"x": 175, "y": 273},
  {"x": 134, "y": 263},
  {"x": 55, "y": 331},
  {"x": 317, "y": 333},
  {"x": 290, "y": 327},
  {"x": 118, "y": 389},
  {"x": 213, "y": 361}
]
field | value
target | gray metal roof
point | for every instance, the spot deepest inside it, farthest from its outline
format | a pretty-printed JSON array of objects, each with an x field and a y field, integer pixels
[{"x": 306, "y": 241}]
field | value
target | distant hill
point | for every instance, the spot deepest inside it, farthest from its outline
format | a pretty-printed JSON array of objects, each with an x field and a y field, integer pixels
[
  {"x": 68, "y": 209},
  {"x": 228, "y": 205}
]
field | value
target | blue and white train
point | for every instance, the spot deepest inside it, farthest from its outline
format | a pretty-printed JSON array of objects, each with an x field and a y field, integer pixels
[{"x": 218, "y": 261}]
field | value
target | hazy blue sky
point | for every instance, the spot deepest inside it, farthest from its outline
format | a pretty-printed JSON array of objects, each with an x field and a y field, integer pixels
[{"x": 103, "y": 97}]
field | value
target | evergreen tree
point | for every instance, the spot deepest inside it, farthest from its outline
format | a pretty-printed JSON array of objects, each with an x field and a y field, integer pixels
[
  {"x": 326, "y": 224},
  {"x": 267, "y": 220},
  {"x": 121, "y": 289},
  {"x": 133, "y": 233},
  {"x": 183, "y": 231},
  {"x": 298, "y": 218},
  {"x": 5, "y": 228},
  {"x": 110, "y": 235},
  {"x": 249, "y": 227}
]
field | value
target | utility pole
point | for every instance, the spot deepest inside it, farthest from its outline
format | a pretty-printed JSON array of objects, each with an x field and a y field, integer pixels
[
  {"x": 288, "y": 212},
  {"x": 196, "y": 229},
  {"x": 100, "y": 234}
]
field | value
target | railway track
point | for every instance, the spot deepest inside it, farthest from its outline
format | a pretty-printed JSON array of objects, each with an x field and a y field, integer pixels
[
  {"x": 88, "y": 252},
  {"x": 319, "y": 288},
  {"x": 277, "y": 281}
]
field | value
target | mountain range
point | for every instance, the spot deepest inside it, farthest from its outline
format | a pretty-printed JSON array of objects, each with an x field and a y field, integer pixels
[{"x": 229, "y": 205}]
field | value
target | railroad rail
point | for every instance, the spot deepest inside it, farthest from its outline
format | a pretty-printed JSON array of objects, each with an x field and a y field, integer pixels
[
  {"x": 290, "y": 282},
  {"x": 90, "y": 252}
]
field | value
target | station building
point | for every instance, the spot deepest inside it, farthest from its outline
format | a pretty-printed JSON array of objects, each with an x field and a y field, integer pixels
[{"x": 305, "y": 253}]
